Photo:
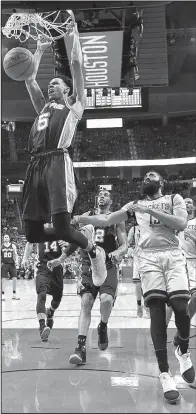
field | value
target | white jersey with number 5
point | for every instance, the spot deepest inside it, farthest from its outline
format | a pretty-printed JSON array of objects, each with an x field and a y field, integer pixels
[{"x": 153, "y": 234}]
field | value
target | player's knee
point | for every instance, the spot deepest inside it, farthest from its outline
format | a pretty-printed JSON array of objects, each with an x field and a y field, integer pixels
[
  {"x": 87, "y": 303},
  {"x": 106, "y": 299},
  {"x": 179, "y": 305},
  {"x": 42, "y": 297}
]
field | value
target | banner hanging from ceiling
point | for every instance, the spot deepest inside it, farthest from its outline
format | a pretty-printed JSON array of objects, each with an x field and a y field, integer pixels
[{"x": 102, "y": 58}]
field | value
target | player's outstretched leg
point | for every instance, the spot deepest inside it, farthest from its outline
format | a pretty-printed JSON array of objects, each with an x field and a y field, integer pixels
[
  {"x": 159, "y": 337},
  {"x": 41, "y": 314},
  {"x": 106, "y": 305},
  {"x": 62, "y": 230},
  {"x": 51, "y": 310},
  {"x": 182, "y": 320},
  {"x": 87, "y": 301}
]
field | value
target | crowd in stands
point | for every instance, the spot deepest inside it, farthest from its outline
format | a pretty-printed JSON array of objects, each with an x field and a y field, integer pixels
[
  {"x": 103, "y": 144},
  {"x": 175, "y": 140},
  {"x": 148, "y": 139}
]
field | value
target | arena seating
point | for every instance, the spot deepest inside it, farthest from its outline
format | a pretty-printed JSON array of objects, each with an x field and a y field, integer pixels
[
  {"x": 177, "y": 139},
  {"x": 145, "y": 139},
  {"x": 103, "y": 144}
]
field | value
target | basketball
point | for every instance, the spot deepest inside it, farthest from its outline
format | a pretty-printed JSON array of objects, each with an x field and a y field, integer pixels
[{"x": 18, "y": 64}]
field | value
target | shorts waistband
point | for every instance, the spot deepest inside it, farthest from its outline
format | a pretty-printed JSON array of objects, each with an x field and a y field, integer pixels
[{"x": 58, "y": 151}]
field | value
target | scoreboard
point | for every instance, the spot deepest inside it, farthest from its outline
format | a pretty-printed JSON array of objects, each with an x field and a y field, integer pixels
[{"x": 113, "y": 98}]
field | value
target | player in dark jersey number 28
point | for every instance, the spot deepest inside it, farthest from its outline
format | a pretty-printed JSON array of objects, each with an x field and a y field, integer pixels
[
  {"x": 47, "y": 282},
  {"x": 49, "y": 187},
  {"x": 114, "y": 242}
]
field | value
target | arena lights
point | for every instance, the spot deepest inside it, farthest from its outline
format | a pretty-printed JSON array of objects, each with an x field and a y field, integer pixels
[
  {"x": 104, "y": 123},
  {"x": 135, "y": 163}
]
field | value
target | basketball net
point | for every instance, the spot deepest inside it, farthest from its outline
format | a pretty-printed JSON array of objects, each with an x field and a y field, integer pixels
[{"x": 23, "y": 26}]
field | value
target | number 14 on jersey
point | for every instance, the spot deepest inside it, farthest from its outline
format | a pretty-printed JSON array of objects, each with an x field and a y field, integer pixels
[{"x": 48, "y": 247}]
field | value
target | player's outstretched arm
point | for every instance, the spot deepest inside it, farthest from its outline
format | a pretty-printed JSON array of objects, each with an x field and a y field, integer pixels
[
  {"x": 33, "y": 88},
  {"x": 76, "y": 68},
  {"x": 68, "y": 251},
  {"x": 102, "y": 220}
]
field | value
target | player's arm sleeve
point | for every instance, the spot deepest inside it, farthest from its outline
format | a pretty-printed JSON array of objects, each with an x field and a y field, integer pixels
[
  {"x": 122, "y": 238},
  {"x": 104, "y": 220}
]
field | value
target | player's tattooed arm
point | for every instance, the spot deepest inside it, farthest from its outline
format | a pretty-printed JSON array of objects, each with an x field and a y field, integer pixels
[
  {"x": 76, "y": 68},
  {"x": 33, "y": 88}
]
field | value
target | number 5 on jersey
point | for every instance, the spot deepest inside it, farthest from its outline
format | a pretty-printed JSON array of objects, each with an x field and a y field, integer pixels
[{"x": 43, "y": 121}]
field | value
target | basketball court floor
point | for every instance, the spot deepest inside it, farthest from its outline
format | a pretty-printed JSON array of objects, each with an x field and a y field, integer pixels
[{"x": 38, "y": 378}]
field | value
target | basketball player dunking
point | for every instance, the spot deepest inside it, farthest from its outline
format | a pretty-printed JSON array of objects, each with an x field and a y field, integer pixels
[
  {"x": 113, "y": 240},
  {"x": 49, "y": 188},
  {"x": 162, "y": 270}
]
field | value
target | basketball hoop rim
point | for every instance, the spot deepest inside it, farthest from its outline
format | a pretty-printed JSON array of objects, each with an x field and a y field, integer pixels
[{"x": 16, "y": 22}]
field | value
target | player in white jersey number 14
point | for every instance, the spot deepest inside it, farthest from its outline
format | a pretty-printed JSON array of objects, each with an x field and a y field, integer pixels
[{"x": 162, "y": 268}]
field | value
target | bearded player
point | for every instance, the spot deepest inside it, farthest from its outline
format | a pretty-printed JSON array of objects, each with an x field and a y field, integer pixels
[
  {"x": 49, "y": 188},
  {"x": 47, "y": 282},
  {"x": 113, "y": 240},
  {"x": 162, "y": 268},
  {"x": 9, "y": 265}
]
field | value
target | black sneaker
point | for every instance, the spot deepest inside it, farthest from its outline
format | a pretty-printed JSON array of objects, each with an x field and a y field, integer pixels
[
  {"x": 102, "y": 338},
  {"x": 49, "y": 320},
  {"x": 79, "y": 357},
  {"x": 176, "y": 340},
  {"x": 44, "y": 333}
]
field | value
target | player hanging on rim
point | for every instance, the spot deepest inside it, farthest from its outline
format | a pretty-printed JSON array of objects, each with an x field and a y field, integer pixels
[
  {"x": 113, "y": 240},
  {"x": 47, "y": 282},
  {"x": 50, "y": 188},
  {"x": 9, "y": 260},
  {"x": 162, "y": 270}
]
